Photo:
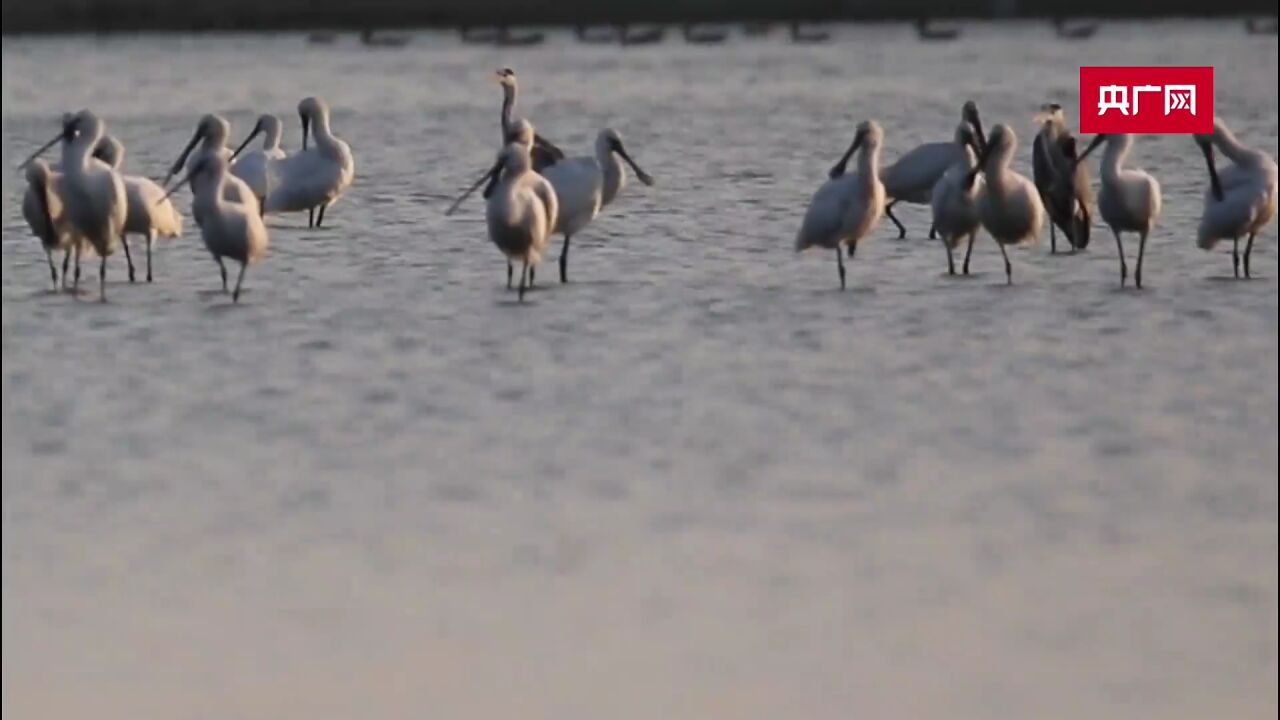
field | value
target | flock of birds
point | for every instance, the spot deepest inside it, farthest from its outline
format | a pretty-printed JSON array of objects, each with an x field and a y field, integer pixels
[
  {"x": 969, "y": 185},
  {"x": 534, "y": 191}
]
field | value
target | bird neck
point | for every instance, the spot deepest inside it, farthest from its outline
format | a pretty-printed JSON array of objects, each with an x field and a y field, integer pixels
[
  {"x": 508, "y": 107},
  {"x": 271, "y": 137},
  {"x": 1114, "y": 156},
  {"x": 1231, "y": 147},
  {"x": 611, "y": 170},
  {"x": 869, "y": 161}
]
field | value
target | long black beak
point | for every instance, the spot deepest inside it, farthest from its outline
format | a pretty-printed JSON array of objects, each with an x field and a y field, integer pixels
[
  {"x": 256, "y": 129},
  {"x": 982, "y": 137},
  {"x": 489, "y": 176},
  {"x": 641, "y": 174},
  {"x": 185, "y": 179},
  {"x": 982, "y": 161},
  {"x": 182, "y": 158},
  {"x": 1214, "y": 182},
  {"x": 1097, "y": 140},
  {"x": 306, "y": 130},
  {"x": 840, "y": 167},
  {"x": 40, "y": 152},
  {"x": 546, "y": 146}
]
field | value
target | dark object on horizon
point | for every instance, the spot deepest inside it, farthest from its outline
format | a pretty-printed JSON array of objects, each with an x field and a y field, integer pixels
[
  {"x": 702, "y": 35},
  {"x": 597, "y": 35},
  {"x": 1260, "y": 26},
  {"x": 322, "y": 37},
  {"x": 479, "y": 36},
  {"x": 368, "y": 38},
  {"x": 928, "y": 32},
  {"x": 809, "y": 35},
  {"x": 508, "y": 38},
  {"x": 1078, "y": 31},
  {"x": 642, "y": 36},
  {"x": 756, "y": 29}
]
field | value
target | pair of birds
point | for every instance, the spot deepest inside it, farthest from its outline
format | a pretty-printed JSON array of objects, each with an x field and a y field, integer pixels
[
  {"x": 44, "y": 206},
  {"x": 849, "y": 206},
  {"x": 311, "y": 179},
  {"x": 87, "y": 205},
  {"x": 534, "y": 191}
]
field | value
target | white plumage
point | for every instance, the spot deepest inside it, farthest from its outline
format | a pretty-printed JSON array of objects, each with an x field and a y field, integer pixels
[
  {"x": 44, "y": 212},
  {"x": 1129, "y": 201},
  {"x": 521, "y": 209},
  {"x": 1241, "y": 200},
  {"x": 313, "y": 178},
  {"x": 256, "y": 167},
  {"x": 211, "y": 133},
  {"x": 151, "y": 213},
  {"x": 582, "y": 185},
  {"x": 848, "y": 206},
  {"x": 955, "y": 199},
  {"x": 1008, "y": 204}
]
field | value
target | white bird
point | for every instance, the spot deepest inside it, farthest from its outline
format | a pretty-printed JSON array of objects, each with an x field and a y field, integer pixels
[
  {"x": 521, "y": 209},
  {"x": 955, "y": 199},
  {"x": 313, "y": 178},
  {"x": 1129, "y": 200},
  {"x": 848, "y": 206},
  {"x": 93, "y": 194},
  {"x": 1241, "y": 199},
  {"x": 44, "y": 212},
  {"x": 543, "y": 153},
  {"x": 911, "y": 178},
  {"x": 256, "y": 167},
  {"x": 1009, "y": 204},
  {"x": 230, "y": 229},
  {"x": 212, "y": 133},
  {"x": 1063, "y": 182},
  {"x": 584, "y": 185},
  {"x": 151, "y": 213}
]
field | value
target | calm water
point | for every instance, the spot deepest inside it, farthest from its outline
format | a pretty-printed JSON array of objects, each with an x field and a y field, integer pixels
[{"x": 698, "y": 482}]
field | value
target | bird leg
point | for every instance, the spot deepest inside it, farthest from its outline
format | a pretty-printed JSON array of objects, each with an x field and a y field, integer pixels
[
  {"x": 1248, "y": 250},
  {"x": 151, "y": 240},
  {"x": 1235, "y": 255},
  {"x": 533, "y": 270},
  {"x": 1142, "y": 250},
  {"x": 888, "y": 210},
  {"x": 1053, "y": 239},
  {"x": 128, "y": 257},
  {"x": 311, "y": 217},
  {"x": 510, "y": 270},
  {"x": 973, "y": 237},
  {"x": 564, "y": 260},
  {"x": 53, "y": 269},
  {"x": 933, "y": 232},
  {"x": 1124, "y": 268},
  {"x": 840, "y": 263},
  {"x": 320, "y": 217},
  {"x": 76, "y": 285},
  {"x": 223, "y": 270},
  {"x": 66, "y": 263},
  {"x": 1008, "y": 268},
  {"x": 951, "y": 263},
  {"x": 524, "y": 276},
  {"x": 235, "y": 295},
  {"x": 102, "y": 279}
]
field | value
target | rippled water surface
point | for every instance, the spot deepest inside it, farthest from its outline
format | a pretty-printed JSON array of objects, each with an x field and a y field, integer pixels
[{"x": 696, "y": 482}]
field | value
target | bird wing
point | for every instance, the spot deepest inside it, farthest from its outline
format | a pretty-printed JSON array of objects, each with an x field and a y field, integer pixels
[
  {"x": 578, "y": 184},
  {"x": 302, "y": 181},
  {"x": 912, "y": 177},
  {"x": 825, "y": 215}
]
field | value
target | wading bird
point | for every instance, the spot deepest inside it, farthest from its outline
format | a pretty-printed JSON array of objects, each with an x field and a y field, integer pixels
[
  {"x": 151, "y": 214},
  {"x": 848, "y": 206},
  {"x": 1063, "y": 183},
  {"x": 230, "y": 229},
  {"x": 93, "y": 194},
  {"x": 521, "y": 209},
  {"x": 544, "y": 153},
  {"x": 584, "y": 185},
  {"x": 256, "y": 167},
  {"x": 1241, "y": 199},
  {"x": 211, "y": 134},
  {"x": 313, "y": 178},
  {"x": 43, "y": 210},
  {"x": 1129, "y": 200},
  {"x": 1008, "y": 205},
  {"x": 955, "y": 199},
  {"x": 911, "y": 178}
]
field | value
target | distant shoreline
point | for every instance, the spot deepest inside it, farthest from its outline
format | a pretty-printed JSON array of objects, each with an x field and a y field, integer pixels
[{"x": 68, "y": 16}]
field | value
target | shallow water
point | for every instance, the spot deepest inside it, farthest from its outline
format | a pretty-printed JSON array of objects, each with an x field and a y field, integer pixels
[{"x": 698, "y": 481}]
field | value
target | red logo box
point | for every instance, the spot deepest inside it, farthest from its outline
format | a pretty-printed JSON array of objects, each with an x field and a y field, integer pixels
[{"x": 1149, "y": 100}]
